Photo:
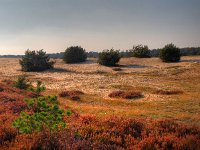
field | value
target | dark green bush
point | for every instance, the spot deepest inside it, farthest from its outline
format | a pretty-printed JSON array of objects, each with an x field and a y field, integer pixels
[
  {"x": 170, "y": 53},
  {"x": 35, "y": 61},
  {"x": 22, "y": 82},
  {"x": 109, "y": 57},
  {"x": 140, "y": 51},
  {"x": 74, "y": 54}
]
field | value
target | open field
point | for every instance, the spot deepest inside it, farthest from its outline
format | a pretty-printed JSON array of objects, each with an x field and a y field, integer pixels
[{"x": 145, "y": 75}]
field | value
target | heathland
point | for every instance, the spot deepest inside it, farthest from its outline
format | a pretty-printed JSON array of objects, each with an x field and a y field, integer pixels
[{"x": 167, "y": 91}]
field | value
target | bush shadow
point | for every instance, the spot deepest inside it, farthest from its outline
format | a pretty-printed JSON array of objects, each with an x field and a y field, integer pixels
[
  {"x": 134, "y": 66},
  {"x": 60, "y": 70}
]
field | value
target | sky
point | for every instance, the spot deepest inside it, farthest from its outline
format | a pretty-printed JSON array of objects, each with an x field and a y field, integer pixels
[{"x": 54, "y": 25}]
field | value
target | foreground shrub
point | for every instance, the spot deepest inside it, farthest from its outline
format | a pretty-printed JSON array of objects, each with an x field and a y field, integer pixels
[
  {"x": 74, "y": 54},
  {"x": 170, "y": 53},
  {"x": 46, "y": 113},
  {"x": 38, "y": 89},
  {"x": 22, "y": 82},
  {"x": 125, "y": 95},
  {"x": 109, "y": 57},
  {"x": 140, "y": 51},
  {"x": 35, "y": 61}
]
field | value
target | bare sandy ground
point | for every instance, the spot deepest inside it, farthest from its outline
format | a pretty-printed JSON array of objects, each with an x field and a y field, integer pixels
[{"x": 95, "y": 79}]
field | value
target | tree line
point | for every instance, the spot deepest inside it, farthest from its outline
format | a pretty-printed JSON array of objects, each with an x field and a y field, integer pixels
[{"x": 40, "y": 61}]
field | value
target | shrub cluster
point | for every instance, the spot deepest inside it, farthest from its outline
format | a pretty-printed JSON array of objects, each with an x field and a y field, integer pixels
[
  {"x": 35, "y": 61},
  {"x": 109, "y": 57},
  {"x": 22, "y": 82},
  {"x": 125, "y": 94},
  {"x": 140, "y": 51},
  {"x": 74, "y": 54},
  {"x": 73, "y": 95},
  {"x": 168, "y": 92},
  {"x": 170, "y": 53}
]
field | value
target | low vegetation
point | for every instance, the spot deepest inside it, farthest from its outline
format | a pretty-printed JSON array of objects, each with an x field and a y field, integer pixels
[
  {"x": 38, "y": 89},
  {"x": 44, "y": 112},
  {"x": 22, "y": 82},
  {"x": 170, "y": 53},
  {"x": 74, "y": 54},
  {"x": 35, "y": 61},
  {"x": 73, "y": 95},
  {"x": 167, "y": 92},
  {"x": 109, "y": 57},
  {"x": 125, "y": 94}
]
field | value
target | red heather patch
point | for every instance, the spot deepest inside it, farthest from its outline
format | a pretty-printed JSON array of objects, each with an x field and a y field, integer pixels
[
  {"x": 73, "y": 95},
  {"x": 125, "y": 95}
]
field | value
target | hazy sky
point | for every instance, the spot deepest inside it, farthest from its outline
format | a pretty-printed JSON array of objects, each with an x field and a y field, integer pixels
[{"x": 54, "y": 25}]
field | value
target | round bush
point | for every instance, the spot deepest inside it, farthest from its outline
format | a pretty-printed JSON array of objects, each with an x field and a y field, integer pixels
[
  {"x": 74, "y": 54},
  {"x": 109, "y": 57},
  {"x": 170, "y": 53},
  {"x": 141, "y": 51},
  {"x": 35, "y": 61}
]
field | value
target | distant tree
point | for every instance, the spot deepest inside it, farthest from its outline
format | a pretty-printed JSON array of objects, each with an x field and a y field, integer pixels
[
  {"x": 170, "y": 53},
  {"x": 140, "y": 51},
  {"x": 74, "y": 54},
  {"x": 35, "y": 61},
  {"x": 109, "y": 57}
]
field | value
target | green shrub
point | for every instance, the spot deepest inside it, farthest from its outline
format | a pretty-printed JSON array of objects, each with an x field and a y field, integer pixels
[
  {"x": 74, "y": 54},
  {"x": 45, "y": 114},
  {"x": 140, "y": 51},
  {"x": 22, "y": 82},
  {"x": 170, "y": 53},
  {"x": 109, "y": 57},
  {"x": 39, "y": 88},
  {"x": 35, "y": 61}
]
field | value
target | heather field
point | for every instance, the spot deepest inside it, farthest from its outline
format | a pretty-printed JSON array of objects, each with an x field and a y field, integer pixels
[
  {"x": 149, "y": 76},
  {"x": 141, "y": 104}
]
